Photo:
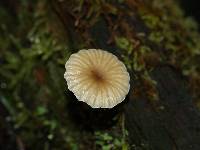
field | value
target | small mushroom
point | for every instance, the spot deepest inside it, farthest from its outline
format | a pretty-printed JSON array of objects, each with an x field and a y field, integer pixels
[{"x": 97, "y": 77}]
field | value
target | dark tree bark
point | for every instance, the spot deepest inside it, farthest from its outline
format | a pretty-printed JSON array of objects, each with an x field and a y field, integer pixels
[
  {"x": 173, "y": 121},
  {"x": 175, "y": 125}
]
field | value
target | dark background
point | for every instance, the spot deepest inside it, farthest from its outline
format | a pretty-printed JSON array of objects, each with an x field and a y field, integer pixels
[{"x": 191, "y": 8}]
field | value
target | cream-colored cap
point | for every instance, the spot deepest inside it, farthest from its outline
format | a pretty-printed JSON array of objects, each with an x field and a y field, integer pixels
[{"x": 97, "y": 77}]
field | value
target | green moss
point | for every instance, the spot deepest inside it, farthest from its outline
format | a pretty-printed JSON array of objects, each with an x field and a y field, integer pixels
[
  {"x": 151, "y": 21},
  {"x": 106, "y": 141},
  {"x": 156, "y": 37},
  {"x": 124, "y": 44}
]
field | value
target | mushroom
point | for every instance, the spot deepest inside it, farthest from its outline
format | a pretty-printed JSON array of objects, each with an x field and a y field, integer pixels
[{"x": 97, "y": 78}]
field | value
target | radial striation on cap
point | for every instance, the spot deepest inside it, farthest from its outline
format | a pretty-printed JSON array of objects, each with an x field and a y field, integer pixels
[{"x": 97, "y": 78}]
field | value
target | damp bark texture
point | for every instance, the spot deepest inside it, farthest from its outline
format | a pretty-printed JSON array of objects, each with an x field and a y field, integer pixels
[{"x": 165, "y": 117}]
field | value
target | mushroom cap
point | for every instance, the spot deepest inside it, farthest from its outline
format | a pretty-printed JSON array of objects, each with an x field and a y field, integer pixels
[{"x": 97, "y": 78}]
